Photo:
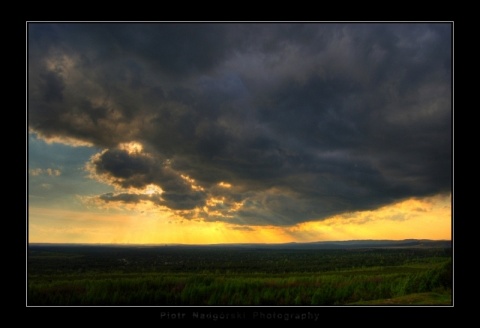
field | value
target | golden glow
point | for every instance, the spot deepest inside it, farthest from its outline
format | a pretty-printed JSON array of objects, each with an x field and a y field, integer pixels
[
  {"x": 192, "y": 183},
  {"x": 62, "y": 140},
  {"x": 62, "y": 226},
  {"x": 212, "y": 201},
  {"x": 427, "y": 218},
  {"x": 152, "y": 189},
  {"x": 132, "y": 148},
  {"x": 144, "y": 222},
  {"x": 235, "y": 206},
  {"x": 225, "y": 185}
]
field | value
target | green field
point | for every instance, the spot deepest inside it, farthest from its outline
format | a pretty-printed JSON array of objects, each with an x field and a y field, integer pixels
[{"x": 109, "y": 275}]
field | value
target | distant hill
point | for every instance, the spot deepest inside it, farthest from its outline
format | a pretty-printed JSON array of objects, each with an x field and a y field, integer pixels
[
  {"x": 347, "y": 244},
  {"x": 352, "y": 244}
]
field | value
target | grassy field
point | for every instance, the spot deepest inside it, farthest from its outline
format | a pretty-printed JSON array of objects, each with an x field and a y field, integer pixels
[
  {"x": 431, "y": 298},
  {"x": 82, "y": 275}
]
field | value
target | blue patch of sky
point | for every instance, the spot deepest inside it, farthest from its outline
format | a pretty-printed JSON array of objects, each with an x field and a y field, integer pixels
[{"x": 60, "y": 191}]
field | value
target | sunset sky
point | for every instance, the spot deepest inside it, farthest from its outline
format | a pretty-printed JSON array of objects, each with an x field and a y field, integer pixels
[{"x": 238, "y": 132}]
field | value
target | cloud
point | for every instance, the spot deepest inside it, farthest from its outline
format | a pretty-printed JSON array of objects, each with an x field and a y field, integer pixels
[
  {"x": 138, "y": 170},
  {"x": 303, "y": 121},
  {"x": 48, "y": 171},
  {"x": 242, "y": 228},
  {"x": 123, "y": 197}
]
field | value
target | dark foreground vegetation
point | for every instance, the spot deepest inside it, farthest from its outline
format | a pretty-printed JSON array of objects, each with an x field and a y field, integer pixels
[{"x": 246, "y": 276}]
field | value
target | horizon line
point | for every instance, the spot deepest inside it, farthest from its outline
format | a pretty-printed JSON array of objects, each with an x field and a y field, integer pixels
[{"x": 239, "y": 243}]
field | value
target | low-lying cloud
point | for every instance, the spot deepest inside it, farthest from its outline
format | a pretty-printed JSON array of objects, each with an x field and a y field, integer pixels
[{"x": 48, "y": 171}]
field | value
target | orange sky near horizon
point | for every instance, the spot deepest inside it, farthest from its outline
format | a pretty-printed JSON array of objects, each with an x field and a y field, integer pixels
[{"x": 402, "y": 220}]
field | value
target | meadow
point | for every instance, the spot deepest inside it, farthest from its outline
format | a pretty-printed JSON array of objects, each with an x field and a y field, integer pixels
[{"x": 81, "y": 275}]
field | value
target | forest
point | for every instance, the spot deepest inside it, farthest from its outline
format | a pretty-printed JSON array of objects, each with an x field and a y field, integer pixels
[{"x": 89, "y": 275}]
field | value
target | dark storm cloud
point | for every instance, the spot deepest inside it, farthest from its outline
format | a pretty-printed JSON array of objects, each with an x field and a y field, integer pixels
[
  {"x": 136, "y": 170},
  {"x": 170, "y": 200},
  {"x": 124, "y": 198},
  {"x": 303, "y": 120}
]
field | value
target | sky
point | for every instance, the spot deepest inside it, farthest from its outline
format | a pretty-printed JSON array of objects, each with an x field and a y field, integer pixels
[{"x": 204, "y": 133}]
